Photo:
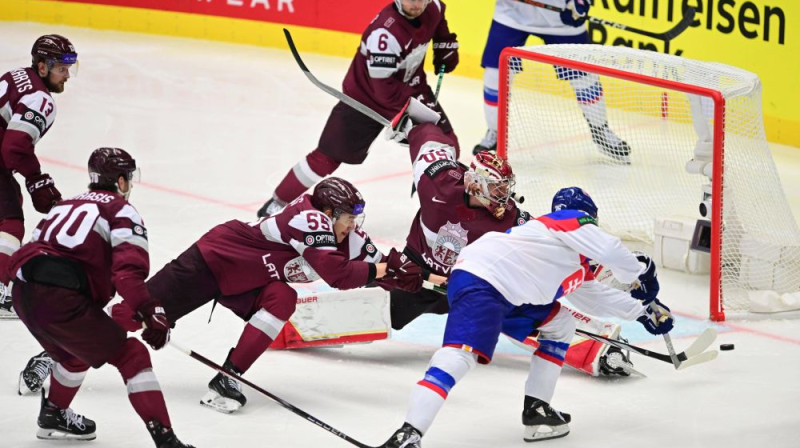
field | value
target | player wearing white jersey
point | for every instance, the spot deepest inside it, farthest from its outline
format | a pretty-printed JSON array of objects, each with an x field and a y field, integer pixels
[
  {"x": 512, "y": 23},
  {"x": 503, "y": 279}
]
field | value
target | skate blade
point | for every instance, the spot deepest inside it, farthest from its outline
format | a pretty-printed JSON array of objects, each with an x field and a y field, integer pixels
[
  {"x": 219, "y": 403},
  {"x": 536, "y": 433},
  {"x": 55, "y": 434},
  {"x": 22, "y": 388}
]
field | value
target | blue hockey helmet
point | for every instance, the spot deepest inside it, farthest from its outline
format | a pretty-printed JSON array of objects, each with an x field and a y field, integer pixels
[{"x": 574, "y": 198}]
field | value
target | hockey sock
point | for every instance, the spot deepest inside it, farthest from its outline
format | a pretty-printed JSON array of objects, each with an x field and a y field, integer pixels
[
  {"x": 305, "y": 174},
  {"x": 258, "y": 334},
  {"x": 144, "y": 392},
  {"x": 546, "y": 364},
  {"x": 448, "y": 365},
  {"x": 490, "y": 86},
  {"x": 65, "y": 380},
  {"x": 589, "y": 93}
]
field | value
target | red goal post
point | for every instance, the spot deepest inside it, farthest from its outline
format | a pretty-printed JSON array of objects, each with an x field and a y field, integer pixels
[{"x": 659, "y": 104}]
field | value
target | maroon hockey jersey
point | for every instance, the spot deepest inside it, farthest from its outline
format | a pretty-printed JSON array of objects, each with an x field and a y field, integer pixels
[
  {"x": 104, "y": 234},
  {"x": 388, "y": 67},
  {"x": 26, "y": 113},
  {"x": 445, "y": 222},
  {"x": 296, "y": 245}
]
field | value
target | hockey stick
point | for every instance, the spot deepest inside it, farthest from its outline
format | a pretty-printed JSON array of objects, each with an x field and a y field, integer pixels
[
  {"x": 275, "y": 398},
  {"x": 330, "y": 90},
  {"x": 438, "y": 84},
  {"x": 686, "y": 20},
  {"x": 693, "y": 355},
  {"x": 656, "y": 316}
]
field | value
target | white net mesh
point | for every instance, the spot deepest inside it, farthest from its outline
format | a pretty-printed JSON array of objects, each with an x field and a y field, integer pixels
[{"x": 628, "y": 143}]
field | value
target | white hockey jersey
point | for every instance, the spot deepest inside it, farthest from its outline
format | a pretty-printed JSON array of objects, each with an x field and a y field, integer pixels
[
  {"x": 534, "y": 19},
  {"x": 548, "y": 258}
]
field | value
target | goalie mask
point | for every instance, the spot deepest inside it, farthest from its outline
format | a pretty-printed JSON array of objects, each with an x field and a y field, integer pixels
[
  {"x": 490, "y": 180},
  {"x": 339, "y": 196},
  {"x": 574, "y": 198}
]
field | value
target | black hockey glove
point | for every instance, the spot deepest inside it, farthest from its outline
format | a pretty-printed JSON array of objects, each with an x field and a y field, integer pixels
[
  {"x": 445, "y": 54},
  {"x": 647, "y": 291},
  {"x": 658, "y": 319}
]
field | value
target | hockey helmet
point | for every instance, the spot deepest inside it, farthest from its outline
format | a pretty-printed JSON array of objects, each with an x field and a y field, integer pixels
[
  {"x": 107, "y": 164},
  {"x": 53, "y": 48},
  {"x": 574, "y": 198},
  {"x": 338, "y": 195},
  {"x": 491, "y": 180}
]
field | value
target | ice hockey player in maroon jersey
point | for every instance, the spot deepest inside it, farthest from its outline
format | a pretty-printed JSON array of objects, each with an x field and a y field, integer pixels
[
  {"x": 386, "y": 70},
  {"x": 246, "y": 267},
  {"x": 86, "y": 249},
  {"x": 27, "y": 111},
  {"x": 458, "y": 204}
]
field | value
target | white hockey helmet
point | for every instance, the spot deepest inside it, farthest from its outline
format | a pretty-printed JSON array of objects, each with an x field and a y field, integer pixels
[{"x": 490, "y": 180}]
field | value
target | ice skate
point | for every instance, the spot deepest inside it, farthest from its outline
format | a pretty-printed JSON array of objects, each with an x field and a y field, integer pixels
[
  {"x": 63, "y": 424},
  {"x": 405, "y": 437},
  {"x": 270, "y": 208},
  {"x": 164, "y": 437},
  {"x": 543, "y": 422},
  {"x": 224, "y": 393},
  {"x": 32, "y": 378},
  {"x": 609, "y": 144},
  {"x": 489, "y": 142},
  {"x": 6, "y": 307}
]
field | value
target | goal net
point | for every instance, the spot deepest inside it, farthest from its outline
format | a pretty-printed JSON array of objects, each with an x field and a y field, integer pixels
[{"x": 650, "y": 136}]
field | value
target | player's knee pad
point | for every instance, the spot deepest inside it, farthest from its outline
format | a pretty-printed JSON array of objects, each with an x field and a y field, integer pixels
[
  {"x": 454, "y": 361},
  {"x": 131, "y": 359},
  {"x": 267, "y": 323},
  {"x": 321, "y": 164},
  {"x": 560, "y": 327},
  {"x": 70, "y": 373},
  {"x": 278, "y": 299}
]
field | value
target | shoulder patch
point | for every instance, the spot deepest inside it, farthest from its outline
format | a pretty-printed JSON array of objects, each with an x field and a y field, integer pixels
[
  {"x": 434, "y": 168},
  {"x": 319, "y": 239},
  {"x": 36, "y": 119},
  {"x": 139, "y": 230},
  {"x": 583, "y": 220},
  {"x": 383, "y": 60}
]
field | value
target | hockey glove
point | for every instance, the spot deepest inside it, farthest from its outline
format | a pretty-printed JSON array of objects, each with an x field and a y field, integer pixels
[
  {"x": 124, "y": 316},
  {"x": 647, "y": 290},
  {"x": 402, "y": 273},
  {"x": 657, "y": 319},
  {"x": 445, "y": 54},
  {"x": 44, "y": 193},
  {"x": 574, "y": 14},
  {"x": 156, "y": 332}
]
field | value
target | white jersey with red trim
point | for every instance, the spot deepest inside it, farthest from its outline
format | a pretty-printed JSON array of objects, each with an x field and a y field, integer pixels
[
  {"x": 534, "y": 19},
  {"x": 548, "y": 258}
]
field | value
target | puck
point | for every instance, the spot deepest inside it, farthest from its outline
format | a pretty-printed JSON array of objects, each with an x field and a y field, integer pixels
[{"x": 726, "y": 347}]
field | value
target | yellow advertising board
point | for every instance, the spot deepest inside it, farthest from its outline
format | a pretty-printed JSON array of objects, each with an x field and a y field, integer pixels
[{"x": 758, "y": 35}]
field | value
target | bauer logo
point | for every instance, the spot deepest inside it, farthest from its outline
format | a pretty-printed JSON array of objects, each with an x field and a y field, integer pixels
[{"x": 382, "y": 60}]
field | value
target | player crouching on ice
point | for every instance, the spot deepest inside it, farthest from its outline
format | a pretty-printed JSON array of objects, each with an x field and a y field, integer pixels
[
  {"x": 84, "y": 250},
  {"x": 247, "y": 267},
  {"x": 522, "y": 274}
]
